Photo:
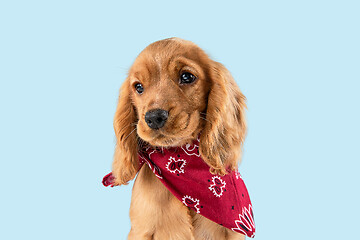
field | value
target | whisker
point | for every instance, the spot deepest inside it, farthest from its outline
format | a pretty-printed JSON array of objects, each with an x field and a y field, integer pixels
[
  {"x": 205, "y": 119},
  {"x": 130, "y": 133},
  {"x": 131, "y": 124}
]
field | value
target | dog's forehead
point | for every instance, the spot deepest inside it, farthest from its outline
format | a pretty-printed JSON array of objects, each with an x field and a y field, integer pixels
[
  {"x": 164, "y": 54},
  {"x": 157, "y": 61},
  {"x": 168, "y": 49}
]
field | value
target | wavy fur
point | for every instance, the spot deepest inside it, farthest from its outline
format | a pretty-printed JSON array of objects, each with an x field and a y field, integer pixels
[{"x": 213, "y": 106}]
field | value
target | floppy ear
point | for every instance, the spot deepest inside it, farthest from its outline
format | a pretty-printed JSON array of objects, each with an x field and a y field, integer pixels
[
  {"x": 126, "y": 163},
  {"x": 225, "y": 129}
]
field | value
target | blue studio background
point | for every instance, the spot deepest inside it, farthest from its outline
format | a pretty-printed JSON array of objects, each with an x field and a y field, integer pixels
[{"x": 62, "y": 63}]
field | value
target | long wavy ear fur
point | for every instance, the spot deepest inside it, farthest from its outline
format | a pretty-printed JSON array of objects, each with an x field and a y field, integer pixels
[
  {"x": 126, "y": 163},
  {"x": 224, "y": 133}
]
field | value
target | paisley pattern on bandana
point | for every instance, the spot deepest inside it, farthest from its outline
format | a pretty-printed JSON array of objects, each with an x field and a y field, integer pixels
[
  {"x": 222, "y": 199},
  {"x": 176, "y": 166},
  {"x": 191, "y": 203},
  {"x": 245, "y": 224},
  {"x": 217, "y": 186}
]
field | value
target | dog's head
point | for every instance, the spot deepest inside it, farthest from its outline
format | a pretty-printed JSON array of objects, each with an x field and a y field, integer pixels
[{"x": 173, "y": 92}]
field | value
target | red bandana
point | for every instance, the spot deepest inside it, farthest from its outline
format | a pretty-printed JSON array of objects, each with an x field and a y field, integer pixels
[{"x": 222, "y": 199}]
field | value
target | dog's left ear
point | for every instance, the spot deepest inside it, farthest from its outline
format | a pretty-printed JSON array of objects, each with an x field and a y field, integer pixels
[{"x": 224, "y": 133}]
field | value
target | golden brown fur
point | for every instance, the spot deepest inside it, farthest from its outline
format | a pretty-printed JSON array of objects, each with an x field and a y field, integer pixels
[{"x": 212, "y": 105}]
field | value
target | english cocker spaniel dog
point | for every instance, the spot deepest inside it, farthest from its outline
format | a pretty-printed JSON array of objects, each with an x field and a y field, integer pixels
[{"x": 179, "y": 126}]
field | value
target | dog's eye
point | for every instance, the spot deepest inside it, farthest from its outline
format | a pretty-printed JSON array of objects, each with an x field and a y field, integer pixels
[
  {"x": 139, "y": 88},
  {"x": 186, "y": 78}
]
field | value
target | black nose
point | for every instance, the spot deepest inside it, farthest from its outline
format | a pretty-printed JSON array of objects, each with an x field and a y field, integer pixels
[{"x": 156, "y": 118}]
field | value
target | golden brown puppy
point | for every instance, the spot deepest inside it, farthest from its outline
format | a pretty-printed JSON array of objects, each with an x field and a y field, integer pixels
[{"x": 176, "y": 80}]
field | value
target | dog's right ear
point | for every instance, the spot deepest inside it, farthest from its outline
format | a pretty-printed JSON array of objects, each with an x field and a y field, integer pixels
[{"x": 126, "y": 163}]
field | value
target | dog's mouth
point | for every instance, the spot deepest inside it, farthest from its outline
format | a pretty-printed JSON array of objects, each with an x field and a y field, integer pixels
[
  {"x": 177, "y": 132},
  {"x": 163, "y": 138}
]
